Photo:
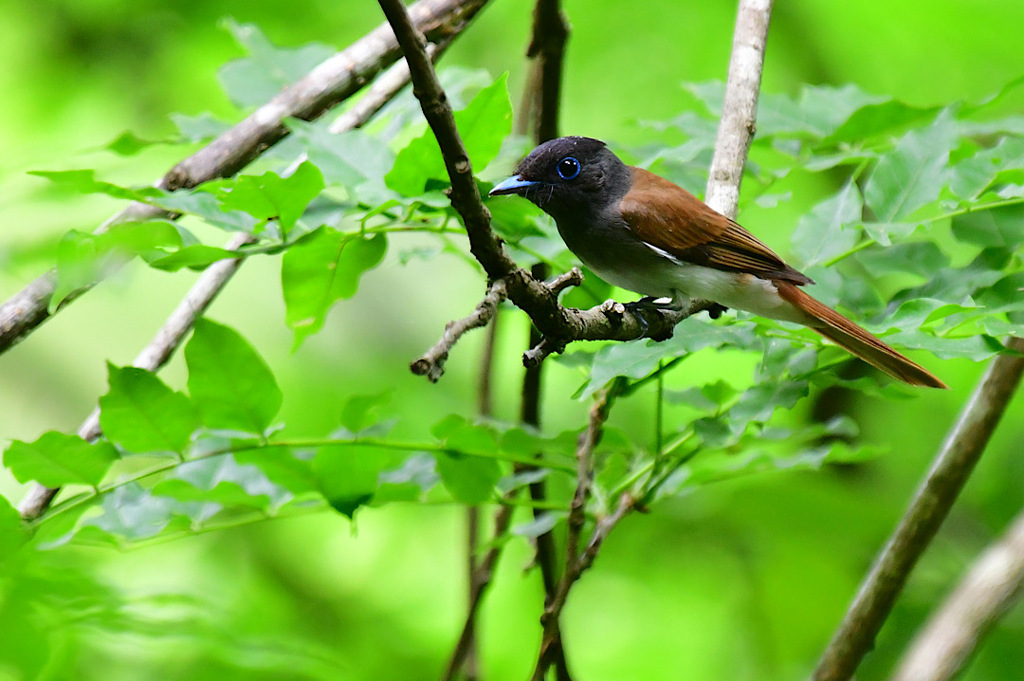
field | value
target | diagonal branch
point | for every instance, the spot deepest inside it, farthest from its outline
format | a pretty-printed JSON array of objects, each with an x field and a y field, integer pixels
[
  {"x": 936, "y": 495},
  {"x": 210, "y": 284},
  {"x": 329, "y": 83}
]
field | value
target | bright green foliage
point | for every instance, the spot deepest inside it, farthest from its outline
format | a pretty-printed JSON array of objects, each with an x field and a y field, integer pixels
[
  {"x": 482, "y": 125},
  {"x": 232, "y": 386},
  {"x": 322, "y": 268},
  {"x": 141, "y": 414},
  {"x": 57, "y": 459},
  {"x": 909, "y": 218},
  {"x": 271, "y": 196}
]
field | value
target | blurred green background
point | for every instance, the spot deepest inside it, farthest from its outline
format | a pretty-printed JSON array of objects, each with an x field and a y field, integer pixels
[{"x": 744, "y": 581}]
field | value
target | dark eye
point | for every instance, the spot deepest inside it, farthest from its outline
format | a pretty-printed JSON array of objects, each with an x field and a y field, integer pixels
[{"x": 568, "y": 168}]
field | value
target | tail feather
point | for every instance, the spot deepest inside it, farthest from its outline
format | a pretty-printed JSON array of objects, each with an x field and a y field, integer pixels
[{"x": 856, "y": 340}]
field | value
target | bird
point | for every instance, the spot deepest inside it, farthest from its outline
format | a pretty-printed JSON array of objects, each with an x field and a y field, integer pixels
[{"x": 641, "y": 232}]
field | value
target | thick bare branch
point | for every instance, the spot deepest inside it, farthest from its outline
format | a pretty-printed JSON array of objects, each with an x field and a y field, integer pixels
[
  {"x": 932, "y": 501},
  {"x": 326, "y": 85},
  {"x": 992, "y": 585}
]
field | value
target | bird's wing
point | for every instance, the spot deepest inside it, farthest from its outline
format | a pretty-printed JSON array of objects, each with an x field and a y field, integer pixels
[{"x": 675, "y": 221}]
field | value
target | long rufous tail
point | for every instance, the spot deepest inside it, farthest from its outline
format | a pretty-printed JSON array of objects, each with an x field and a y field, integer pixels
[{"x": 856, "y": 340}]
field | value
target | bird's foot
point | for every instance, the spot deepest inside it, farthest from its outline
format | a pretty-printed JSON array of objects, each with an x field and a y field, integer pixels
[
  {"x": 716, "y": 310},
  {"x": 649, "y": 305}
]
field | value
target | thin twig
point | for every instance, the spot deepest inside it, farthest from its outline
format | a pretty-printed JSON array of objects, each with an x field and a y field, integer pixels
[
  {"x": 932, "y": 501},
  {"x": 576, "y": 564},
  {"x": 329, "y": 83},
  {"x": 431, "y": 364},
  {"x": 480, "y": 580},
  {"x": 990, "y": 588}
]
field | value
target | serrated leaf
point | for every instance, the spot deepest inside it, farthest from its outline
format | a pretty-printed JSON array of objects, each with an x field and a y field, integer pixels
[
  {"x": 257, "y": 78},
  {"x": 878, "y": 120},
  {"x": 482, "y": 125},
  {"x": 1001, "y": 227},
  {"x": 923, "y": 258},
  {"x": 322, "y": 268},
  {"x": 57, "y": 459},
  {"x": 914, "y": 172},
  {"x": 204, "y": 205},
  {"x": 830, "y": 228},
  {"x": 282, "y": 467},
  {"x": 270, "y": 196},
  {"x": 142, "y": 414},
  {"x": 348, "y": 475},
  {"x": 974, "y": 175},
  {"x": 231, "y": 384},
  {"x": 817, "y": 112}
]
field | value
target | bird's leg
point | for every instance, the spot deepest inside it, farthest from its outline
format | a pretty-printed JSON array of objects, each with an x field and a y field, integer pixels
[{"x": 716, "y": 310}]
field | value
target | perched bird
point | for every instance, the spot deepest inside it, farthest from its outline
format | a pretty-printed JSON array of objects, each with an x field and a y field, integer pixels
[{"x": 641, "y": 232}]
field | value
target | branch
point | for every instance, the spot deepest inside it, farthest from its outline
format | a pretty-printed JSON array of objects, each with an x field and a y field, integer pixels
[
  {"x": 431, "y": 364},
  {"x": 154, "y": 355},
  {"x": 576, "y": 564},
  {"x": 993, "y": 584},
  {"x": 480, "y": 580},
  {"x": 202, "y": 293},
  {"x": 936, "y": 494},
  {"x": 739, "y": 109},
  {"x": 326, "y": 85}
]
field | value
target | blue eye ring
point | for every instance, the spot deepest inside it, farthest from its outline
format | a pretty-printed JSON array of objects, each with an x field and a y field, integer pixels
[{"x": 568, "y": 168}]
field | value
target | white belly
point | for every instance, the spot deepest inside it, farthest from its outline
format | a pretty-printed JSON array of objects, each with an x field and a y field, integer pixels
[{"x": 682, "y": 281}]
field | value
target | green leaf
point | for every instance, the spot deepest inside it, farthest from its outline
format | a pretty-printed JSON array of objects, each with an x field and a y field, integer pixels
[
  {"x": 131, "y": 513},
  {"x": 878, "y": 120},
  {"x": 232, "y": 385},
  {"x": 193, "y": 256},
  {"x": 221, "y": 480},
  {"x": 13, "y": 533},
  {"x": 470, "y": 479},
  {"x": 142, "y": 414},
  {"x": 204, "y": 205},
  {"x": 348, "y": 476},
  {"x": 129, "y": 144},
  {"x": 818, "y": 112},
  {"x": 352, "y": 159},
  {"x": 268, "y": 69},
  {"x": 321, "y": 268},
  {"x": 914, "y": 173},
  {"x": 271, "y": 196},
  {"x": 282, "y": 467},
  {"x": 362, "y": 411},
  {"x": 1002, "y": 226},
  {"x": 830, "y": 228},
  {"x": 85, "y": 182},
  {"x": 482, "y": 125},
  {"x": 57, "y": 459},
  {"x": 974, "y": 175}
]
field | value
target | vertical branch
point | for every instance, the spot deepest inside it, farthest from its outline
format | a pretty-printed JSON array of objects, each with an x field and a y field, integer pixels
[
  {"x": 540, "y": 108},
  {"x": 935, "y": 496},
  {"x": 739, "y": 109},
  {"x": 992, "y": 585}
]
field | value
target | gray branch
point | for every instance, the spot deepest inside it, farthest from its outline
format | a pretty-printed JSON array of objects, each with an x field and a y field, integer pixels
[
  {"x": 992, "y": 585},
  {"x": 739, "y": 109},
  {"x": 329, "y": 83},
  {"x": 936, "y": 495}
]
